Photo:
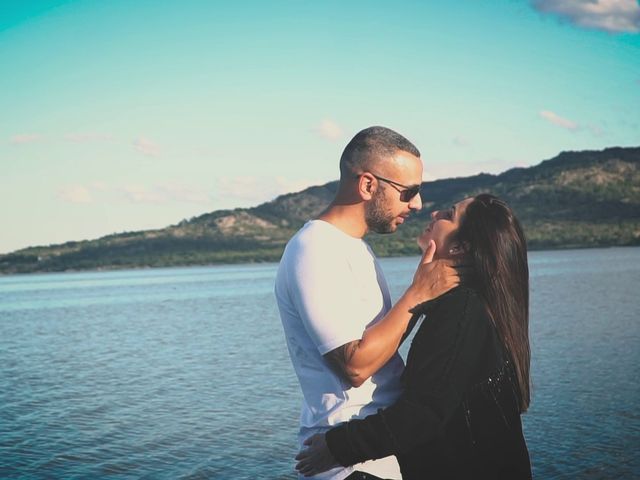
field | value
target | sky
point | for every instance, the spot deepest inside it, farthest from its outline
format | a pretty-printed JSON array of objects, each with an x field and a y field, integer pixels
[{"x": 127, "y": 115}]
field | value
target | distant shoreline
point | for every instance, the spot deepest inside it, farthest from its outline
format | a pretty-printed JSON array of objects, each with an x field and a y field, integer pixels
[{"x": 260, "y": 262}]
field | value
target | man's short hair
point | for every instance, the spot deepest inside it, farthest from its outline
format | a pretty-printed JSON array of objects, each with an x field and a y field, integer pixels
[{"x": 371, "y": 145}]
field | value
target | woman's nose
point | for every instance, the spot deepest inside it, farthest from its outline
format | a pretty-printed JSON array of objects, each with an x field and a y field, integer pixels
[{"x": 434, "y": 214}]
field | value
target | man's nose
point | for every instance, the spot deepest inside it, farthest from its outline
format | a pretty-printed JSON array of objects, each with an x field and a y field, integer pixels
[
  {"x": 416, "y": 202},
  {"x": 434, "y": 214}
]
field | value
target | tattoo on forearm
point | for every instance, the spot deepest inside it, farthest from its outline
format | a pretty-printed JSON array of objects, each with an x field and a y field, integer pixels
[{"x": 340, "y": 358}]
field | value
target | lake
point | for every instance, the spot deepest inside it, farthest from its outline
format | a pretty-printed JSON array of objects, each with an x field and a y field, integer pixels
[{"x": 184, "y": 372}]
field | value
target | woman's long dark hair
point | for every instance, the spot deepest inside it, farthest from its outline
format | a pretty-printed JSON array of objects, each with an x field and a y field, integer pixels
[{"x": 498, "y": 251}]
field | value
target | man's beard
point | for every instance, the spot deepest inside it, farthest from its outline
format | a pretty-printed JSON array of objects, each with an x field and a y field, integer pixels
[{"x": 379, "y": 219}]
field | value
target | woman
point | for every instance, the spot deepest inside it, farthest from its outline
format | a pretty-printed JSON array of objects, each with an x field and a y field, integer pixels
[{"x": 467, "y": 376}]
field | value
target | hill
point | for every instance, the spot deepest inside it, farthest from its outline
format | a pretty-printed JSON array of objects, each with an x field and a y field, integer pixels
[{"x": 577, "y": 199}]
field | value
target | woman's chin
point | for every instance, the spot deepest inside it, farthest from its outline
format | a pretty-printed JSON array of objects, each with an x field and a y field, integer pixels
[{"x": 423, "y": 243}]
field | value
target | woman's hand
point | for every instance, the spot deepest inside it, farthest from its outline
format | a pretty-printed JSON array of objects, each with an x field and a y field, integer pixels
[{"x": 315, "y": 459}]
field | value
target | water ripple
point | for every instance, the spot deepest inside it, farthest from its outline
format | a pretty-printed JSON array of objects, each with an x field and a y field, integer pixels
[{"x": 184, "y": 373}]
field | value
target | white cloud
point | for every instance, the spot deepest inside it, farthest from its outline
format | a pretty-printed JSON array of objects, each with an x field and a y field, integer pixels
[
  {"x": 558, "y": 120},
  {"x": 613, "y": 16},
  {"x": 75, "y": 194},
  {"x": 146, "y": 146},
  {"x": 329, "y": 130},
  {"x": 24, "y": 138}
]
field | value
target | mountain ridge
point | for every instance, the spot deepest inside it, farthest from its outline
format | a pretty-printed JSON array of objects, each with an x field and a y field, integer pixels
[{"x": 575, "y": 199}]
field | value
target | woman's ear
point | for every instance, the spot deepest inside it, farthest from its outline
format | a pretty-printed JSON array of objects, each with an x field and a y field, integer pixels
[{"x": 457, "y": 248}]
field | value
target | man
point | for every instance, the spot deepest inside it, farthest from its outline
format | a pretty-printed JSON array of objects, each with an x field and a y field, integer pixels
[{"x": 341, "y": 330}]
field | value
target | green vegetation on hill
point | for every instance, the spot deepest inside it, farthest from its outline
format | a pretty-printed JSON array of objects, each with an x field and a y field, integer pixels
[{"x": 577, "y": 199}]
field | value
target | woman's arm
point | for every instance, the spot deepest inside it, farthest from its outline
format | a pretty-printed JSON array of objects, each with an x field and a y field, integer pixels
[{"x": 439, "y": 369}]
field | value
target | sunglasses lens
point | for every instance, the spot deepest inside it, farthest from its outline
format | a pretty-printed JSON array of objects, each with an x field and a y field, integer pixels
[{"x": 409, "y": 193}]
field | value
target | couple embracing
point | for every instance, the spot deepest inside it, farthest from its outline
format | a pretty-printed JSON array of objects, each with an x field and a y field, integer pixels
[{"x": 454, "y": 410}]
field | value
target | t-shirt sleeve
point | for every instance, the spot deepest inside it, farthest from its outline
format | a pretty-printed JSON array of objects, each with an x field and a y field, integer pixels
[{"x": 322, "y": 288}]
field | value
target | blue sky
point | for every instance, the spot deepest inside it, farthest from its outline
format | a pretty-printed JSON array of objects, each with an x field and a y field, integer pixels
[{"x": 129, "y": 115}]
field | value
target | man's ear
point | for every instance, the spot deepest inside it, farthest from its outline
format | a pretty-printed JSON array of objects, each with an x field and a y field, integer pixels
[{"x": 366, "y": 186}]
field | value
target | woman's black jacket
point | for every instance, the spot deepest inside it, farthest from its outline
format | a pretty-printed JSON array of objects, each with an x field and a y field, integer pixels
[{"x": 459, "y": 415}]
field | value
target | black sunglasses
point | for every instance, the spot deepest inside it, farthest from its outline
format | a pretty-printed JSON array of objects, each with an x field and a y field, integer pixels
[{"x": 405, "y": 195}]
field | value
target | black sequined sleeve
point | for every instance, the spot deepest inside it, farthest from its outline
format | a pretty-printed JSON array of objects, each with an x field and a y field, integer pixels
[{"x": 443, "y": 356}]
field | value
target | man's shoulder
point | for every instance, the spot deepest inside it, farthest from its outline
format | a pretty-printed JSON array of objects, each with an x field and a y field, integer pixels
[
  {"x": 307, "y": 244},
  {"x": 317, "y": 236}
]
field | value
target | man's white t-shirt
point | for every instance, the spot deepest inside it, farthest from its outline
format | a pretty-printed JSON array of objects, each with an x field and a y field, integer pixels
[{"x": 329, "y": 288}]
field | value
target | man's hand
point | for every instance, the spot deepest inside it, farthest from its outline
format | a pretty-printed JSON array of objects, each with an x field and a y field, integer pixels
[
  {"x": 315, "y": 459},
  {"x": 433, "y": 278}
]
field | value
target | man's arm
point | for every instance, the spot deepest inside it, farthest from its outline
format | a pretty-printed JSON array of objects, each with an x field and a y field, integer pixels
[
  {"x": 341, "y": 358},
  {"x": 356, "y": 361}
]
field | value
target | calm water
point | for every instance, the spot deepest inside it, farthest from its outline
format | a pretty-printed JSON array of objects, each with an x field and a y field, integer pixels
[{"x": 184, "y": 373}]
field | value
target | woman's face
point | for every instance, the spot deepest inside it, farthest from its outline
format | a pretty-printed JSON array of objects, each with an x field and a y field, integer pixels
[{"x": 442, "y": 229}]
